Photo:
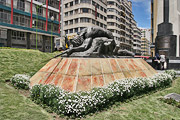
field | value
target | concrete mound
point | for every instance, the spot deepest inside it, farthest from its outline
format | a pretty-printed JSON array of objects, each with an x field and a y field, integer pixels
[{"x": 83, "y": 74}]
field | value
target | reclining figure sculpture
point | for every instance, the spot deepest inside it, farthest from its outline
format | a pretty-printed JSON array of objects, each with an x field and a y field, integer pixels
[{"x": 93, "y": 42}]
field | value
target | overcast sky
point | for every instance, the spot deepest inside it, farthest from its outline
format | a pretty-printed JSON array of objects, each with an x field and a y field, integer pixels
[{"x": 142, "y": 12}]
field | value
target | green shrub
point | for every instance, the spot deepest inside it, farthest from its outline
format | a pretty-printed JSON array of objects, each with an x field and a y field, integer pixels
[
  {"x": 82, "y": 103},
  {"x": 20, "y": 81},
  {"x": 172, "y": 73}
]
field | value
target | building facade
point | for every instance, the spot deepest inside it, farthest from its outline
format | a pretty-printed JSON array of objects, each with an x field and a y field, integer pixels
[
  {"x": 29, "y": 23},
  {"x": 79, "y": 14},
  {"x": 136, "y": 39},
  {"x": 119, "y": 22},
  {"x": 157, "y": 13},
  {"x": 145, "y": 42},
  {"x": 114, "y": 15}
]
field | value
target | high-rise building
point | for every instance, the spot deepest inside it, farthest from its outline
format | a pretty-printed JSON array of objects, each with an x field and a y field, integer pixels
[
  {"x": 114, "y": 15},
  {"x": 79, "y": 14},
  {"x": 145, "y": 41},
  {"x": 119, "y": 22},
  {"x": 29, "y": 23},
  {"x": 136, "y": 39},
  {"x": 157, "y": 16}
]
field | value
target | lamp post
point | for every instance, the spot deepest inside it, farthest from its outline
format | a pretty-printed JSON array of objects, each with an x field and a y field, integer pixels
[
  {"x": 52, "y": 19},
  {"x": 36, "y": 23}
]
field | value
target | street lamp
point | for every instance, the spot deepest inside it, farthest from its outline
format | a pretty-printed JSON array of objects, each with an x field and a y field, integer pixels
[{"x": 52, "y": 19}]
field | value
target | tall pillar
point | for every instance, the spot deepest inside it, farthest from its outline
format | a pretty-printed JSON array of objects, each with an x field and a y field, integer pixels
[
  {"x": 46, "y": 15},
  {"x": 9, "y": 38},
  {"x": 166, "y": 11},
  {"x": 28, "y": 46},
  {"x": 59, "y": 17},
  {"x": 31, "y": 14},
  {"x": 44, "y": 43},
  {"x": 11, "y": 11}
]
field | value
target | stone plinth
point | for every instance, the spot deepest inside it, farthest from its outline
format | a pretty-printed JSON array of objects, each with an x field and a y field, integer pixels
[{"x": 82, "y": 74}]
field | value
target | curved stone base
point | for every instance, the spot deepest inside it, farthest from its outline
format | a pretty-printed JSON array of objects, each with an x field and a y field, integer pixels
[{"x": 82, "y": 74}]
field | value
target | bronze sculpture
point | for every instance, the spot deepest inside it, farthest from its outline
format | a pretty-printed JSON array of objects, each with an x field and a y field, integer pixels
[{"x": 94, "y": 42}]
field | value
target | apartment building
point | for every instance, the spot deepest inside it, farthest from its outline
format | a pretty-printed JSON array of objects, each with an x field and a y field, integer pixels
[
  {"x": 119, "y": 21},
  {"x": 145, "y": 41},
  {"x": 29, "y": 23},
  {"x": 136, "y": 39},
  {"x": 79, "y": 14}
]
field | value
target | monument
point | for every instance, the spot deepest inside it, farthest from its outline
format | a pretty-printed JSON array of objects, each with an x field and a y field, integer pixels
[
  {"x": 165, "y": 41},
  {"x": 95, "y": 42},
  {"x": 93, "y": 60}
]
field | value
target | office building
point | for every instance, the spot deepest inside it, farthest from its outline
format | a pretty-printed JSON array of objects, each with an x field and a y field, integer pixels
[
  {"x": 119, "y": 21},
  {"x": 145, "y": 41},
  {"x": 136, "y": 38},
  {"x": 29, "y": 23},
  {"x": 79, "y": 14}
]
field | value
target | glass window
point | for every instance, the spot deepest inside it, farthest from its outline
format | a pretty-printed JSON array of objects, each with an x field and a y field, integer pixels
[
  {"x": 21, "y": 5},
  {"x": 66, "y": 5},
  {"x": 85, "y": 10},
  {"x": 66, "y": 22},
  {"x": 53, "y": 3},
  {"x": 71, "y": 12},
  {"x": 76, "y": 1},
  {"x": 66, "y": 14},
  {"x": 81, "y": 28},
  {"x": 86, "y": 1},
  {"x": 54, "y": 14},
  {"x": 71, "y": 31},
  {"x": 17, "y": 35},
  {"x": 76, "y": 20},
  {"x": 71, "y": 22},
  {"x": 76, "y": 30},
  {"x": 3, "y": 2},
  {"x": 76, "y": 11},
  {"x": 71, "y": 3},
  {"x": 39, "y": 10},
  {"x": 85, "y": 19}
]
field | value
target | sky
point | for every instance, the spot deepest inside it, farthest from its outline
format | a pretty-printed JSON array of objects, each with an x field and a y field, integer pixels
[{"x": 142, "y": 12}]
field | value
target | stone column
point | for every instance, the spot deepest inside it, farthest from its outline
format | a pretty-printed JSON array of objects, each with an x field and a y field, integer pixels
[
  {"x": 43, "y": 43},
  {"x": 28, "y": 46},
  {"x": 9, "y": 38},
  {"x": 53, "y": 48}
]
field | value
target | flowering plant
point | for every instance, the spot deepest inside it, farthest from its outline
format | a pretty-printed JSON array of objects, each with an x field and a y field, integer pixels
[
  {"x": 20, "y": 81},
  {"x": 82, "y": 103},
  {"x": 172, "y": 73}
]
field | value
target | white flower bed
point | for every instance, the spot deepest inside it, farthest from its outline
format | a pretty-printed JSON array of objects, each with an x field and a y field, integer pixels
[
  {"x": 20, "y": 81},
  {"x": 81, "y": 103}
]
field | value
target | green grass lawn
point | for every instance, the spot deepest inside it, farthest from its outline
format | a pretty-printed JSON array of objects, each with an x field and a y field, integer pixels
[
  {"x": 15, "y": 106},
  {"x": 148, "y": 107},
  {"x": 20, "y": 61}
]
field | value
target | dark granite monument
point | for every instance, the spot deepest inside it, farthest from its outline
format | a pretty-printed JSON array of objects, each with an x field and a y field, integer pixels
[{"x": 165, "y": 41}]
